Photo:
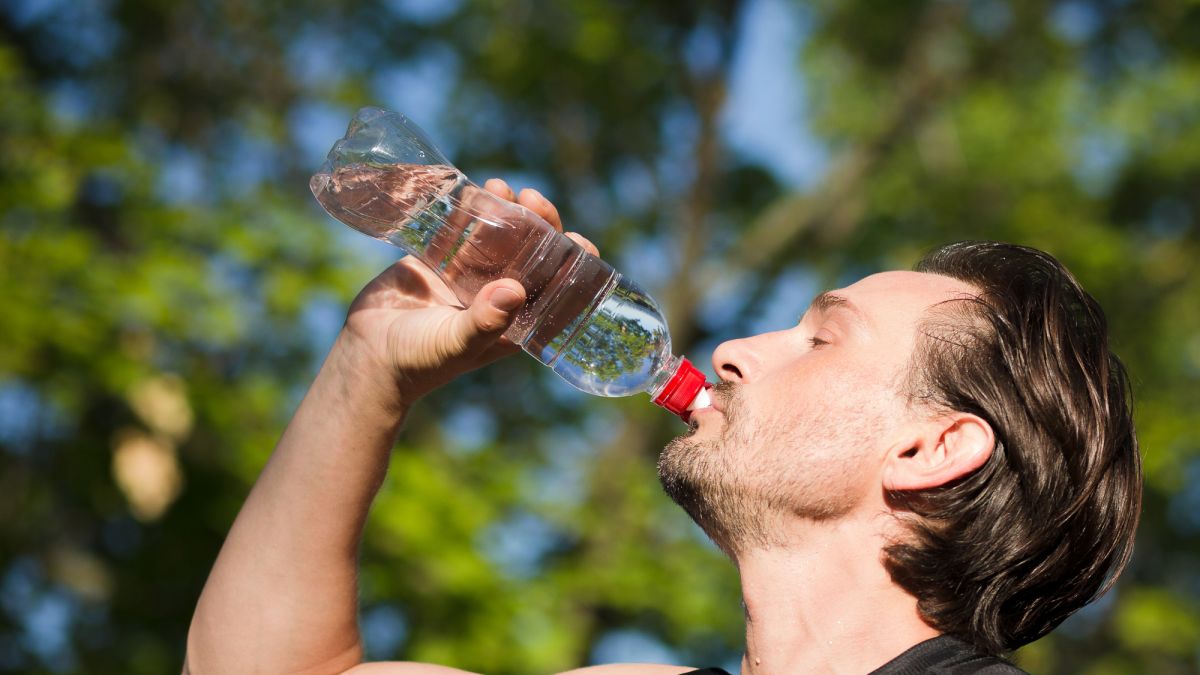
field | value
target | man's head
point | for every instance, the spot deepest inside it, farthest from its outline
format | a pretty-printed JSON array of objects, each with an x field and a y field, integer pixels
[{"x": 975, "y": 399}]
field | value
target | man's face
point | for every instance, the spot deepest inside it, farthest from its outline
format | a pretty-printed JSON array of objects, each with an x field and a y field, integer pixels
[{"x": 803, "y": 417}]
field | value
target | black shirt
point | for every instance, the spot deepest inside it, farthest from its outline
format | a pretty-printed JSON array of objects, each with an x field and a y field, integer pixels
[{"x": 942, "y": 655}]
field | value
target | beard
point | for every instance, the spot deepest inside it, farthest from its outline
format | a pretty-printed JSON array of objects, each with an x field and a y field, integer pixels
[{"x": 745, "y": 486}]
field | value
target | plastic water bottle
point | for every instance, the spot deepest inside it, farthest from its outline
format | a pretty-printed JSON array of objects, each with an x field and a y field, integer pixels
[{"x": 595, "y": 328}]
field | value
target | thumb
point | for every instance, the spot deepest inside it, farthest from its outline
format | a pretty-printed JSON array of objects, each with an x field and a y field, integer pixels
[{"x": 480, "y": 325}]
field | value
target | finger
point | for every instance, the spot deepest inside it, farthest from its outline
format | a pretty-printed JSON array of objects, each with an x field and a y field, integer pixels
[
  {"x": 479, "y": 326},
  {"x": 534, "y": 201},
  {"x": 499, "y": 188},
  {"x": 584, "y": 242}
]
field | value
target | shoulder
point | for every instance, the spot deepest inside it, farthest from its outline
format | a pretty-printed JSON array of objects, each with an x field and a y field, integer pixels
[{"x": 948, "y": 655}]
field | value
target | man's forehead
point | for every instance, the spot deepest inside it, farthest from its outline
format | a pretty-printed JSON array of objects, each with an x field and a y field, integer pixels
[{"x": 905, "y": 290}]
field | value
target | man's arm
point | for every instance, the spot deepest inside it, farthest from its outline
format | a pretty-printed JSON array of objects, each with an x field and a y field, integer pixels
[{"x": 282, "y": 595}]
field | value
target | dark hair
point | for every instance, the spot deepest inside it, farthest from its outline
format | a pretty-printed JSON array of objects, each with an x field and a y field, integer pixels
[{"x": 1004, "y": 555}]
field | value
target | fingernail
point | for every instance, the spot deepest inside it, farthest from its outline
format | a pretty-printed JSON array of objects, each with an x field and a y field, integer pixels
[
  {"x": 500, "y": 184},
  {"x": 505, "y": 299}
]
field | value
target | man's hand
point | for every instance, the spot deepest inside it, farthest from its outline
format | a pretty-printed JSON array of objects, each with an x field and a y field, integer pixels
[{"x": 408, "y": 324}]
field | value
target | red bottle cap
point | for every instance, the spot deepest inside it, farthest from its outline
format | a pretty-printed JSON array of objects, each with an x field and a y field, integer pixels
[{"x": 681, "y": 390}]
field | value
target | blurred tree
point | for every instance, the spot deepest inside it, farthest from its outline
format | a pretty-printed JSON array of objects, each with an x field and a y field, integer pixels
[{"x": 169, "y": 287}]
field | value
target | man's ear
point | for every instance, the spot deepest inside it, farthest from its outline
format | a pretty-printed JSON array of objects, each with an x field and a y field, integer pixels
[{"x": 939, "y": 451}]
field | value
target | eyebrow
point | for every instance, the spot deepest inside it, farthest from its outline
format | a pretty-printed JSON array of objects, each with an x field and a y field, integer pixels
[{"x": 829, "y": 301}]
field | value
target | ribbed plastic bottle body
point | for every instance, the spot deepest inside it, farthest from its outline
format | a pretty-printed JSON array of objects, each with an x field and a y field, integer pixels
[{"x": 597, "y": 330}]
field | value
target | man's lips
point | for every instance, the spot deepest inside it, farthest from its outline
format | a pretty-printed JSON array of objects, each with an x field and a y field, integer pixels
[
  {"x": 713, "y": 407},
  {"x": 716, "y": 397},
  {"x": 711, "y": 404},
  {"x": 695, "y": 416}
]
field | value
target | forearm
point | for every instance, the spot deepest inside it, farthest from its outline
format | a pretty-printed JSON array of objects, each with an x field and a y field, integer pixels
[{"x": 282, "y": 595}]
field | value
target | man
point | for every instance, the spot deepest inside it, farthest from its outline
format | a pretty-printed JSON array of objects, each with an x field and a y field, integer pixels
[{"x": 930, "y": 469}]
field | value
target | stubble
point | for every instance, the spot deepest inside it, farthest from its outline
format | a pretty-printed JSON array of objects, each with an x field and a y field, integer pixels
[{"x": 746, "y": 485}]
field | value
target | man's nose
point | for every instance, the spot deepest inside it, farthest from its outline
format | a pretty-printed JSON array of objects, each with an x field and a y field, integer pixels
[{"x": 736, "y": 360}]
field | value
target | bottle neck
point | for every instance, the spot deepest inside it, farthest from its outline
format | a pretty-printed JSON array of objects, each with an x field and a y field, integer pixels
[{"x": 669, "y": 368}]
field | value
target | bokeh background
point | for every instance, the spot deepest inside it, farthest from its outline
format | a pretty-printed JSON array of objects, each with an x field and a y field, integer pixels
[{"x": 168, "y": 286}]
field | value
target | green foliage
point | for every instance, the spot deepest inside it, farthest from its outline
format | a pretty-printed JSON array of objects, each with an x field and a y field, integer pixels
[{"x": 169, "y": 286}]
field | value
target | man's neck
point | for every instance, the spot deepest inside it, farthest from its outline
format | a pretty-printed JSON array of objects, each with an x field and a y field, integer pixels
[{"x": 825, "y": 604}]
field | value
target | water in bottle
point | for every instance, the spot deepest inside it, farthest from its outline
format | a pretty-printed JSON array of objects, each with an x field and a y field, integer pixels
[{"x": 595, "y": 328}]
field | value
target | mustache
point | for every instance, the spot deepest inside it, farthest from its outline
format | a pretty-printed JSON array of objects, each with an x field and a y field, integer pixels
[{"x": 726, "y": 392}]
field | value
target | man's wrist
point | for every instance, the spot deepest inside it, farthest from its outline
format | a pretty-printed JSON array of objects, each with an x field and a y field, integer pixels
[{"x": 365, "y": 378}]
